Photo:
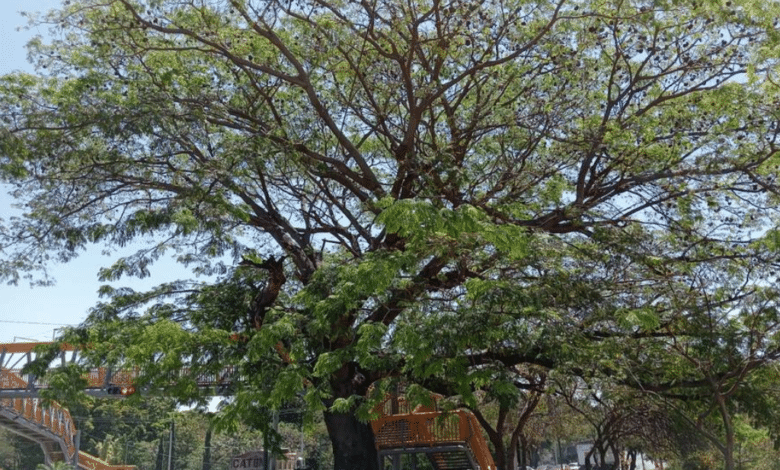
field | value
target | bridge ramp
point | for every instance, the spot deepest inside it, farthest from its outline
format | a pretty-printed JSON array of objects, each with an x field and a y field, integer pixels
[{"x": 50, "y": 425}]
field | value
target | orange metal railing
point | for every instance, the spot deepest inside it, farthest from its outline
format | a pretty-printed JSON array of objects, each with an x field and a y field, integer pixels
[
  {"x": 424, "y": 426},
  {"x": 90, "y": 462},
  {"x": 54, "y": 418}
]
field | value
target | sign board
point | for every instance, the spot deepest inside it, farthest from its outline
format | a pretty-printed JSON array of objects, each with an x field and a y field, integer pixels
[{"x": 248, "y": 461}]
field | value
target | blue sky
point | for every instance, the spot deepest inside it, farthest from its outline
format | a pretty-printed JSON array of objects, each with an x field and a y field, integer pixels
[
  {"x": 25, "y": 312},
  {"x": 34, "y": 313}
]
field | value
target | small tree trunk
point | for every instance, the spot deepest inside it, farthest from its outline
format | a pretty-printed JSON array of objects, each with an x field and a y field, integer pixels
[
  {"x": 524, "y": 453},
  {"x": 511, "y": 453},
  {"x": 590, "y": 457},
  {"x": 618, "y": 462},
  {"x": 728, "y": 425},
  {"x": 632, "y": 454}
]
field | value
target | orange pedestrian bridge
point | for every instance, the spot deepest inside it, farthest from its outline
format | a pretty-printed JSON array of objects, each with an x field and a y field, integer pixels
[{"x": 450, "y": 440}]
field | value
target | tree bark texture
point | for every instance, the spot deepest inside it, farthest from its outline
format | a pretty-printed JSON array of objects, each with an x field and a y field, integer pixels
[{"x": 353, "y": 442}]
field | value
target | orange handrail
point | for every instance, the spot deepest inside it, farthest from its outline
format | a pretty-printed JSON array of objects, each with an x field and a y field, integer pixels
[
  {"x": 424, "y": 426},
  {"x": 16, "y": 348},
  {"x": 90, "y": 462},
  {"x": 55, "y": 418}
]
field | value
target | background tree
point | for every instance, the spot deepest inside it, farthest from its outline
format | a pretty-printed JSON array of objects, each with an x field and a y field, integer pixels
[
  {"x": 726, "y": 338},
  {"x": 354, "y": 174},
  {"x": 117, "y": 431},
  {"x": 626, "y": 423},
  {"x": 18, "y": 453},
  {"x": 515, "y": 410}
]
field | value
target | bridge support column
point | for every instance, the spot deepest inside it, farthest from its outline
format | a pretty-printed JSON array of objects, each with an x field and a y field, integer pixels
[{"x": 77, "y": 443}]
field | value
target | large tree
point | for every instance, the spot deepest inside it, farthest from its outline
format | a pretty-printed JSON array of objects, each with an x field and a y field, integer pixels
[{"x": 418, "y": 188}]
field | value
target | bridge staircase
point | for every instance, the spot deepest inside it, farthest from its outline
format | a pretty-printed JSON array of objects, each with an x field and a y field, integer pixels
[
  {"x": 22, "y": 412},
  {"x": 451, "y": 440}
]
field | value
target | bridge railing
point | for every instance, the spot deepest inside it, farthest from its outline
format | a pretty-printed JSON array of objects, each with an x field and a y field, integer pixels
[
  {"x": 424, "y": 426},
  {"x": 15, "y": 356},
  {"x": 53, "y": 418},
  {"x": 90, "y": 462},
  {"x": 99, "y": 378}
]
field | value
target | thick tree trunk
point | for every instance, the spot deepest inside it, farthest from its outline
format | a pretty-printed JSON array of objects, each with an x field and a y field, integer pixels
[{"x": 353, "y": 442}]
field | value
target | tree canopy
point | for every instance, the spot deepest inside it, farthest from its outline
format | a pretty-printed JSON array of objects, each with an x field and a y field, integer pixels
[{"x": 438, "y": 191}]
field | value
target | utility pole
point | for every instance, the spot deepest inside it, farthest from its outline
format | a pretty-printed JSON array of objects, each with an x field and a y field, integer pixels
[
  {"x": 170, "y": 446},
  {"x": 76, "y": 452},
  {"x": 207, "y": 449},
  {"x": 300, "y": 461},
  {"x": 276, "y": 429}
]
